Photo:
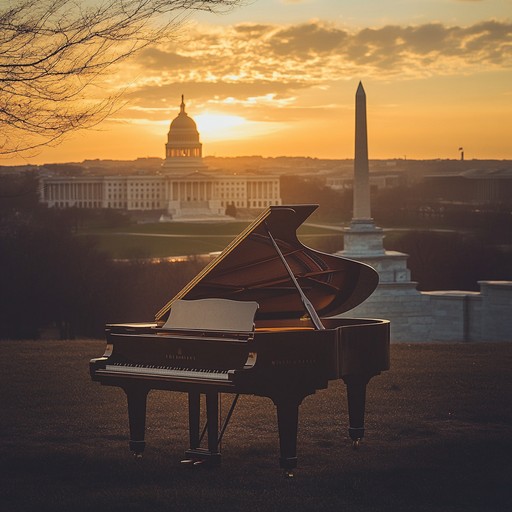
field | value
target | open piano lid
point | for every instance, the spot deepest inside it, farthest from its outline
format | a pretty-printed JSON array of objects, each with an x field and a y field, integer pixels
[{"x": 250, "y": 269}]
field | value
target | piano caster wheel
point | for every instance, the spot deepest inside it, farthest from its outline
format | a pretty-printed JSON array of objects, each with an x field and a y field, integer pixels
[
  {"x": 194, "y": 462},
  {"x": 356, "y": 444},
  {"x": 288, "y": 473},
  {"x": 137, "y": 455}
]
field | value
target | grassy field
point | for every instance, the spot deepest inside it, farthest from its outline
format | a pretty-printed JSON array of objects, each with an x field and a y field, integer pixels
[
  {"x": 439, "y": 438},
  {"x": 161, "y": 240}
]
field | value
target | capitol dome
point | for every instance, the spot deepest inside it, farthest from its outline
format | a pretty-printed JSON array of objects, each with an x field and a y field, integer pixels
[
  {"x": 183, "y": 128},
  {"x": 183, "y": 150}
]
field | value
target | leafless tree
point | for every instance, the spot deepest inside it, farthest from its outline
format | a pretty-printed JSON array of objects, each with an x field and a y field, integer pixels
[{"x": 52, "y": 53}]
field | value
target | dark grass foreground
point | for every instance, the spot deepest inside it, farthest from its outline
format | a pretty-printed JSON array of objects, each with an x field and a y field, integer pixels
[{"x": 439, "y": 438}]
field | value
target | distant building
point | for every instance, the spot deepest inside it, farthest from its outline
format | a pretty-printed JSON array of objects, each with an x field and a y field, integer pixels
[
  {"x": 184, "y": 188},
  {"x": 475, "y": 186},
  {"x": 377, "y": 181}
]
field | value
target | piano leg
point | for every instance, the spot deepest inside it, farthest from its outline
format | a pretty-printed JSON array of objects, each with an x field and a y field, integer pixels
[
  {"x": 287, "y": 421},
  {"x": 196, "y": 455},
  {"x": 194, "y": 403},
  {"x": 137, "y": 399},
  {"x": 356, "y": 395},
  {"x": 212, "y": 412}
]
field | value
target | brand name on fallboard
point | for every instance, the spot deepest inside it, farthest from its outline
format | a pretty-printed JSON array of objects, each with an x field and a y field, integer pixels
[
  {"x": 294, "y": 362},
  {"x": 179, "y": 357}
]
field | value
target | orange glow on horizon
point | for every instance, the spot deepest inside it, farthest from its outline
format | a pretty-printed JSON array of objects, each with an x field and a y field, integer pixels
[{"x": 286, "y": 88}]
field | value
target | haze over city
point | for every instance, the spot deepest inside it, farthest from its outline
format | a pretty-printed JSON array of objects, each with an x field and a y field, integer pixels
[{"x": 277, "y": 77}]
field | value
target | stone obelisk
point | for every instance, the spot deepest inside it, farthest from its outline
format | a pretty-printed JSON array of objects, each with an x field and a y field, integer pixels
[
  {"x": 362, "y": 238},
  {"x": 362, "y": 210}
]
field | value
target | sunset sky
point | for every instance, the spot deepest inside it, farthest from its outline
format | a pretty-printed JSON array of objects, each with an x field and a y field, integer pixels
[{"x": 278, "y": 78}]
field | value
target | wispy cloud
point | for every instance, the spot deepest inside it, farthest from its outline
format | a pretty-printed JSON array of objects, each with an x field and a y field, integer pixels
[{"x": 239, "y": 63}]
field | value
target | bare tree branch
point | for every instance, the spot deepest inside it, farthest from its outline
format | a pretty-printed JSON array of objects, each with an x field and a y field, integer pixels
[{"x": 52, "y": 53}]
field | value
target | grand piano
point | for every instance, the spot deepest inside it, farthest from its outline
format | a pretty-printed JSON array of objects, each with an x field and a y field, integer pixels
[{"x": 256, "y": 320}]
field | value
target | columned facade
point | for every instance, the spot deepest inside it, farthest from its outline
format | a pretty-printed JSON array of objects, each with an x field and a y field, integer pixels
[{"x": 161, "y": 192}]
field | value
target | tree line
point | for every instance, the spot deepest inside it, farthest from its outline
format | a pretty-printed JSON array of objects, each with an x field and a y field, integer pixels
[{"x": 51, "y": 278}]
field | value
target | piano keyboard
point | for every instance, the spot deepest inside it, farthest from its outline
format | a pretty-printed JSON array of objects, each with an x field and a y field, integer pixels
[{"x": 168, "y": 371}]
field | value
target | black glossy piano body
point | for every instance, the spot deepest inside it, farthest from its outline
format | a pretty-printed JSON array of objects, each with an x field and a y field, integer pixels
[{"x": 261, "y": 339}]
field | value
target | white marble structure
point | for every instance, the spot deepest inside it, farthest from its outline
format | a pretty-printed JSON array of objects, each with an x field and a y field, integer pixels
[{"x": 416, "y": 316}]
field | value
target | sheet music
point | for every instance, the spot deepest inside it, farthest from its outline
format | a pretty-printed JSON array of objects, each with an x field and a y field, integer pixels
[{"x": 212, "y": 315}]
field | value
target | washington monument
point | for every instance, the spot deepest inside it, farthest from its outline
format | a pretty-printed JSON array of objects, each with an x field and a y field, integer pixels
[{"x": 362, "y": 210}]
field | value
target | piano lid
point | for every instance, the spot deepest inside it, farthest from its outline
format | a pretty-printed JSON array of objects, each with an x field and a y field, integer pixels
[{"x": 250, "y": 269}]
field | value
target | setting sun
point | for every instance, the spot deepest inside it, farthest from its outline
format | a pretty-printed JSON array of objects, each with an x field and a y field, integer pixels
[
  {"x": 218, "y": 126},
  {"x": 225, "y": 132}
]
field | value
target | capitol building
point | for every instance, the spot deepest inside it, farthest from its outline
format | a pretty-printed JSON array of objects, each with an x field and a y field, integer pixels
[{"x": 184, "y": 188}]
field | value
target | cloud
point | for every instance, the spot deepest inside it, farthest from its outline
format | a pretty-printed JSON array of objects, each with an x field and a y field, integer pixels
[
  {"x": 247, "y": 61},
  {"x": 307, "y": 40},
  {"x": 157, "y": 59},
  {"x": 251, "y": 52}
]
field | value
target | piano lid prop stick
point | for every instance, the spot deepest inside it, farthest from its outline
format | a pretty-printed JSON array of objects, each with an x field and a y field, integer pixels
[
  {"x": 228, "y": 417},
  {"x": 307, "y": 304}
]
